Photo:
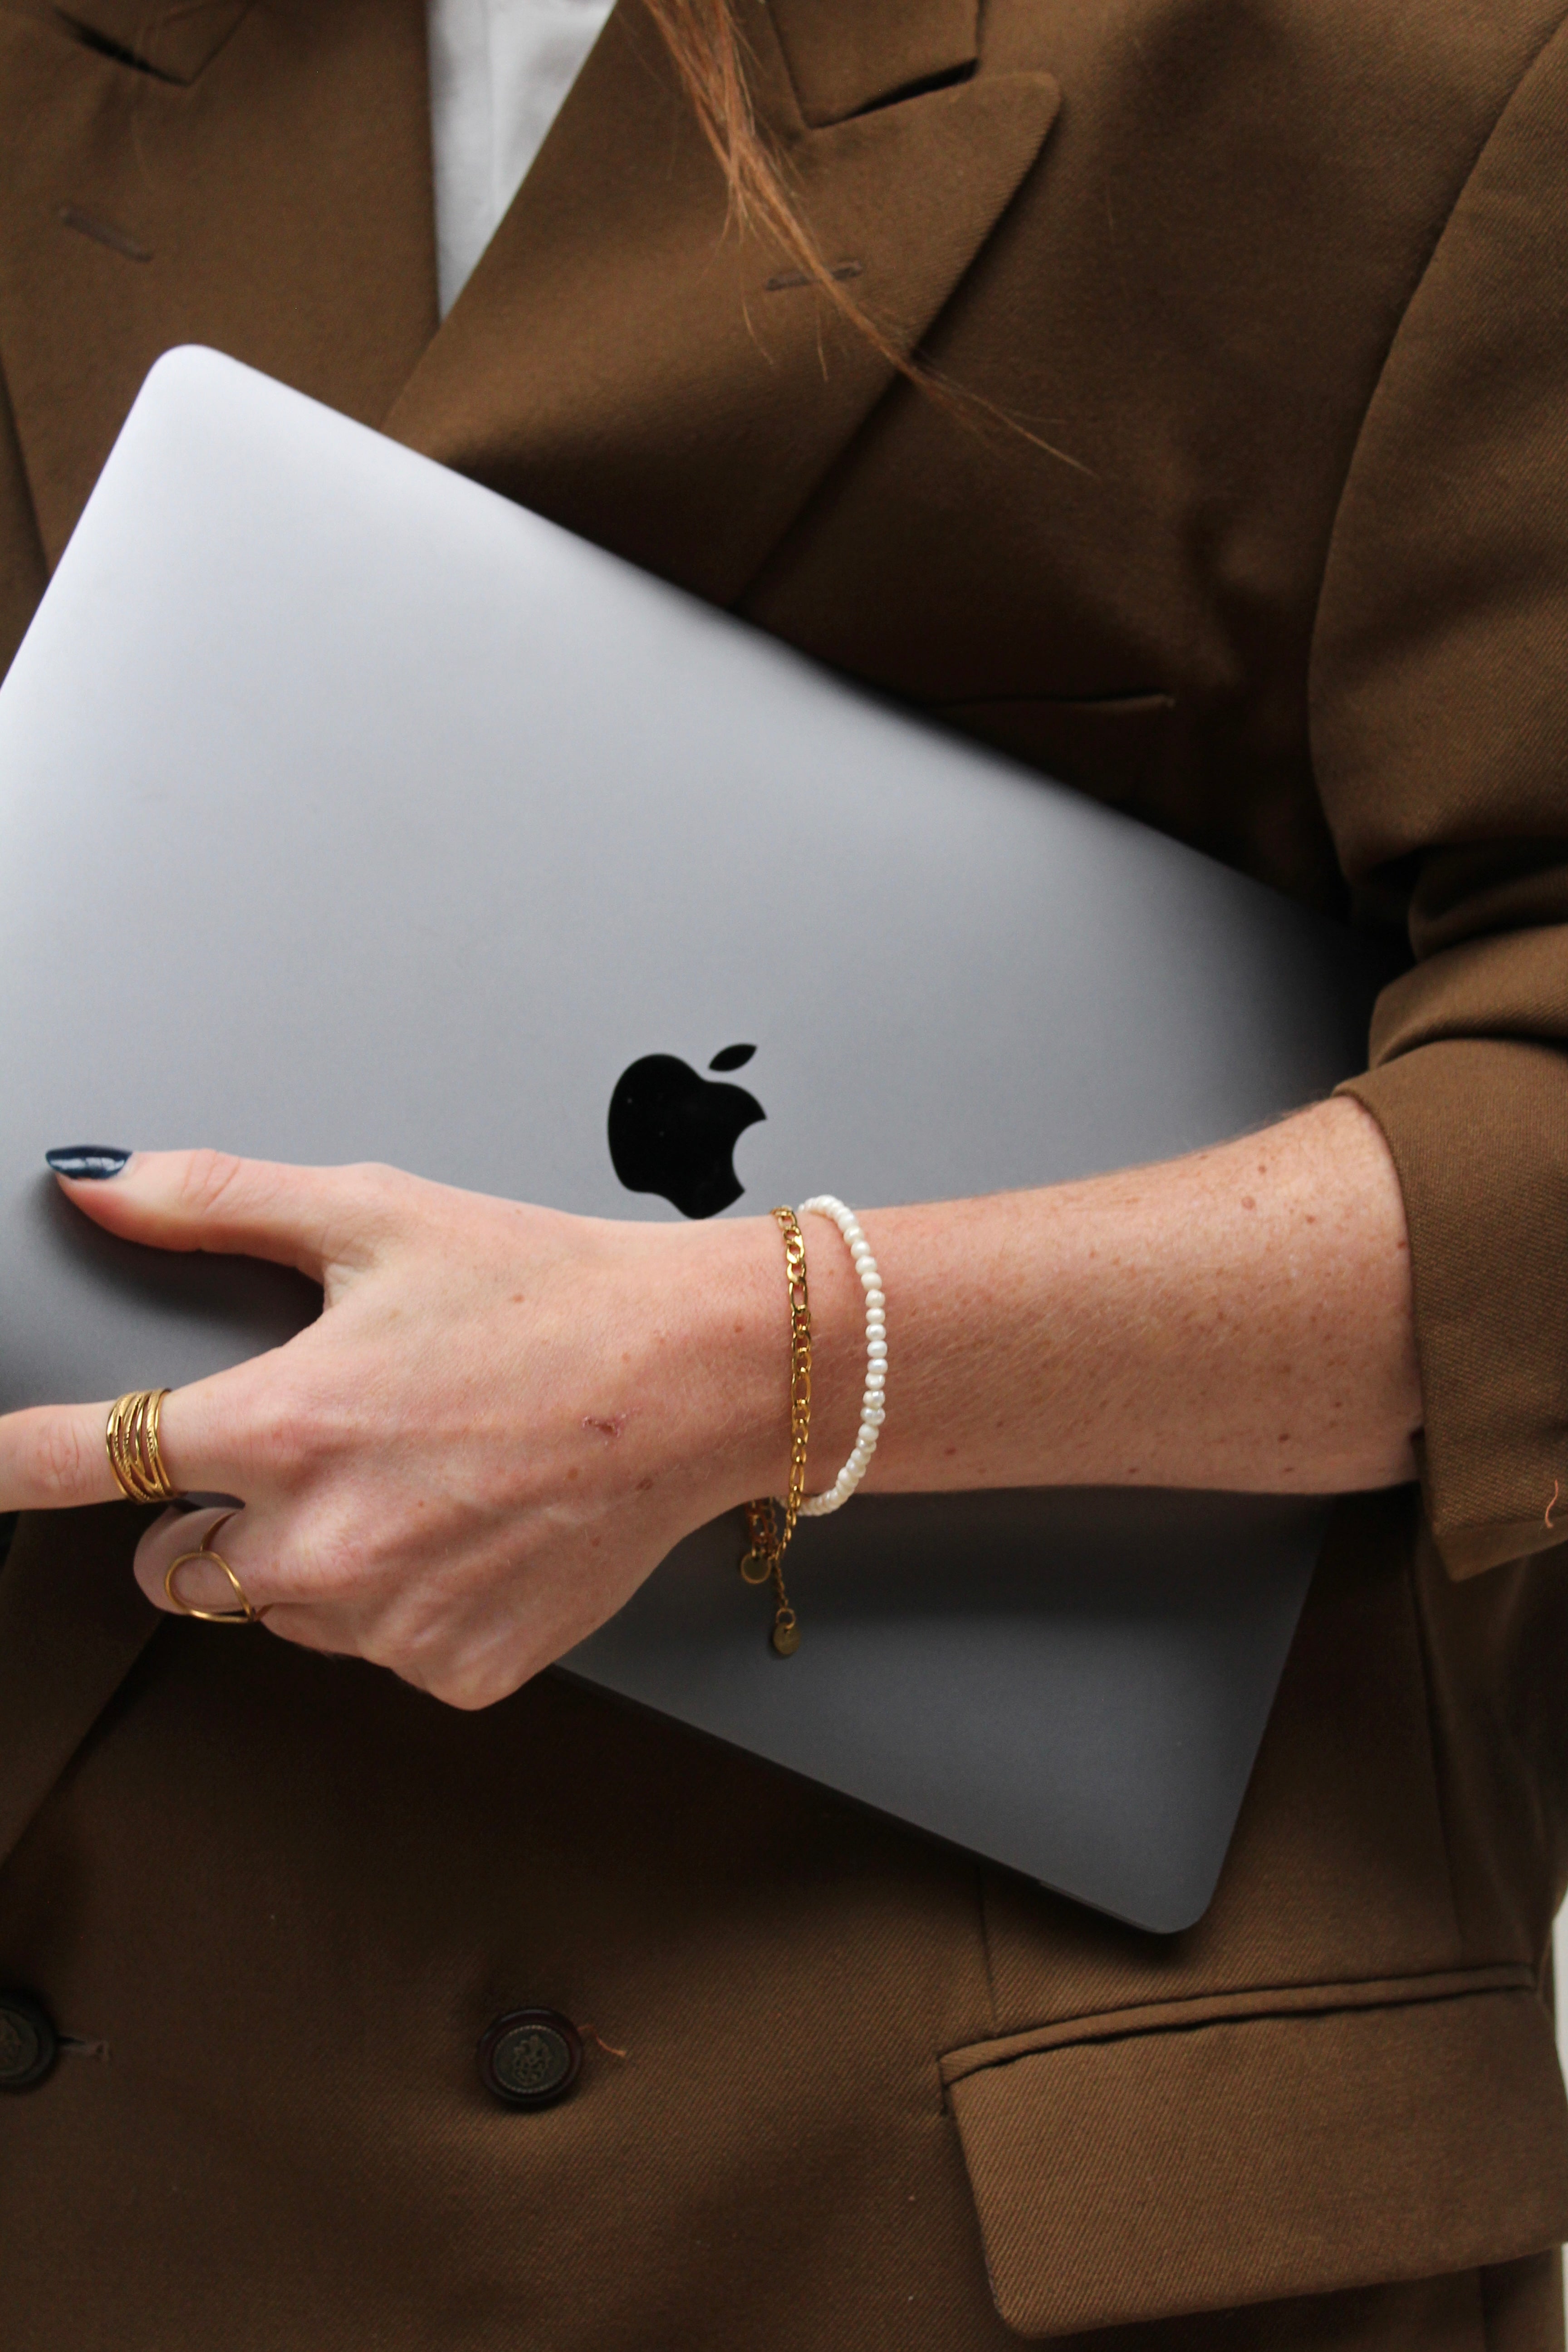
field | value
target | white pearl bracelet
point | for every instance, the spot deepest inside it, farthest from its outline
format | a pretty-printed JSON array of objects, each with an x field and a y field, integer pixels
[{"x": 873, "y": 1404}]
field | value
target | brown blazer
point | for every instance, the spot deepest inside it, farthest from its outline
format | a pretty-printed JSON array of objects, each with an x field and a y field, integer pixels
[{"x": 1285, "y": 282}]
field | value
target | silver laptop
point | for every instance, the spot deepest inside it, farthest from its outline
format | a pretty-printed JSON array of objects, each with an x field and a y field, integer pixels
[{"x": 348, "y": 812}]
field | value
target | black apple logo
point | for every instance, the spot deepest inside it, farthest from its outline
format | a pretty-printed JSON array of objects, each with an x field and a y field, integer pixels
[{"x": 674, "y": 1133}]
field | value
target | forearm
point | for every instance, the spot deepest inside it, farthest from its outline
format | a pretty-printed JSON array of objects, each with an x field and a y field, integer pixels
[
  {"x": 505, "y": 1418},
  {"x": 1240, "y": 1318}
]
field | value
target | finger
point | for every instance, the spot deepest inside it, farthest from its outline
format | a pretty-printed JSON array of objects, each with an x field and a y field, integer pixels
[
  {"x": 218, "y": 1436},
  {"x": 199, "y": 1583},
  {"x": 53, "y": 1457},
  {"x": 171, "y": 1555},
  {"x": 311, "y": 1218},
  {"x": 210, "y": 1440}
]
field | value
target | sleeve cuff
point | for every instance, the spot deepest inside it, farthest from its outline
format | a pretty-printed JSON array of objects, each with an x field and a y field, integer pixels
[{"x": 1479, "y": 1132}]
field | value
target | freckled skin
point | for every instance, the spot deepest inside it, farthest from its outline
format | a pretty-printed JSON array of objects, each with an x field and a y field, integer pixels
[{"x": 460, "y": 1478}]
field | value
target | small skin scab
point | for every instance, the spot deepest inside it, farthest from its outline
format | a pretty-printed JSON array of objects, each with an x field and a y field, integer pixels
[
  {"x": 1247, "y": 1202},
  {"x": 608, "y": 1429}
]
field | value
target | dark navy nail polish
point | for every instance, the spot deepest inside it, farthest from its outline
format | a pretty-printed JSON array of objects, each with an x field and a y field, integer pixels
[{"x": 87, "y": 1162}]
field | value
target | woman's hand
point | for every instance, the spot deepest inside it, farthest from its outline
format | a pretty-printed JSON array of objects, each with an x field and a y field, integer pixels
[
  {"x": 502, "y": 1423},
  {"x": 505, "y": 1417}
]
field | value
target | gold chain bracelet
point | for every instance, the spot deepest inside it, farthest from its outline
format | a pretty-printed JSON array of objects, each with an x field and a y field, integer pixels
[{"x": 763, "y": 1557}]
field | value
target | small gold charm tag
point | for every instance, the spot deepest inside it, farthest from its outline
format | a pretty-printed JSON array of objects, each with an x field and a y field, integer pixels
[
  {"x": 785, "y": 1635},
  {"x": 755, "y": 1567}
]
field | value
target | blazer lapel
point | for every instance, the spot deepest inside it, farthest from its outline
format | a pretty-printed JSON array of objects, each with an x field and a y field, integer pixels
[
  {"x": 257, "y": 177},
  {"x": 625, "y": 361}
]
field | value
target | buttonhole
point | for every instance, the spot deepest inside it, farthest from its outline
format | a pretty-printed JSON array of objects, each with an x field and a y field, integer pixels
[
  {"x": 75, "y": 2045},
  {"x": 103, "y": 45},
  {"x": 783, "y": 280},
  {"x": 104, "y": 232}
]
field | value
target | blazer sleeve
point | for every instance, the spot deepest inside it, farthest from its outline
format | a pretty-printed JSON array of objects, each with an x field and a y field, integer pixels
[
  {"x": 23, "y": 572},
  {"x": 1440, "y": 736}
]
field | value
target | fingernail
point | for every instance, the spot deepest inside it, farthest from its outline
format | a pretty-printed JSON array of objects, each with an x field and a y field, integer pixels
[{"x": 88, "y": 1163}]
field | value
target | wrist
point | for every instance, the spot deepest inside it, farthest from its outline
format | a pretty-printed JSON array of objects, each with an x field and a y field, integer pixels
[{"x": 742, "y": 1343}]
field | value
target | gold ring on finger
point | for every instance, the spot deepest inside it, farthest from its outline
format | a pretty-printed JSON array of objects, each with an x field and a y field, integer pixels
[
  {"x": 245, "y": 1614},
  {"x": 135, "y": 1456}
]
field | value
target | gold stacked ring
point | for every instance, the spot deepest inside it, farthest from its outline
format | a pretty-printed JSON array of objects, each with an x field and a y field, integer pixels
[{"x": 134, "y": 1456}]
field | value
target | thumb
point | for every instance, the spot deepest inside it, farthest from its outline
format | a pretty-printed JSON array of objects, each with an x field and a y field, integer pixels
[{"x": 302, "y": 1217}]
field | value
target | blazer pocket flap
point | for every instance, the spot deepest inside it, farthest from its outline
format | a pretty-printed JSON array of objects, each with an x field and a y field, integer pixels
[{"x": 1132, "y": 2170}]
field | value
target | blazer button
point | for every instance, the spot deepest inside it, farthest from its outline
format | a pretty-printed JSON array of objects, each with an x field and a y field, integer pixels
[
  {"x": 530, "y": 2057},
  {"x": 28, "y": 2043}
]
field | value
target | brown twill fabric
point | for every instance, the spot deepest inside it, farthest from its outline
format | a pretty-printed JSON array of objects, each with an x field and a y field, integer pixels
[{"x": 1287, "y": 285}]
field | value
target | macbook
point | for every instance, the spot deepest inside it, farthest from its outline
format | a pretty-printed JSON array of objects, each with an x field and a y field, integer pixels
[{"x": 350, "y": 811}]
